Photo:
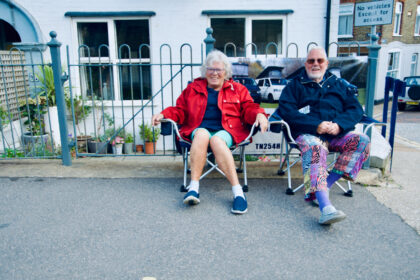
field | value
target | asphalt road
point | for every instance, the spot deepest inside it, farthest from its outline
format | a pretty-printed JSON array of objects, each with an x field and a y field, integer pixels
[
  {"x": 408, "y": 124},
  {"x": 132, "y": 228}
]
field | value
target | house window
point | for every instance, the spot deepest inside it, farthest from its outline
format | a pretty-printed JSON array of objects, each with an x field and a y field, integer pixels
[
  {"x": 417, "y": 28},
  {"x": 393, "y": 64},
  {"x": 241, "y": 32},
  {"x": 397, "y": 18},
  {"x": 265, "y": 32},
  {"x": 345, "y": 21},
  {"x": 414, "y": 61},
  {"x": 229, "y": 30},
  {"x": 110, "y": 63}
]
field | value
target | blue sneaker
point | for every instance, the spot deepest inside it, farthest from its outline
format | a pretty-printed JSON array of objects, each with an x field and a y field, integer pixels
[
  {"x": 240, "y": 206},
  {"x": 191, "y": 198}
]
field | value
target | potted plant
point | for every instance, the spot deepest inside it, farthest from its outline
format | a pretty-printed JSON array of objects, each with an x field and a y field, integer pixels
[
  {"x": 81, "y": 112},
  {"x": 128, "y": 143},
  {"x": 46, "y": 87},
  {"x": 150, "y": 136},
  {"x": 34, "y": 109},
  {"x": 117, "y": 145},
  {"x": 98, "y": 145}
]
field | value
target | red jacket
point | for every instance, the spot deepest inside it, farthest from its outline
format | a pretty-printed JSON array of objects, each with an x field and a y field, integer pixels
[{"x": 238, "y": 108}]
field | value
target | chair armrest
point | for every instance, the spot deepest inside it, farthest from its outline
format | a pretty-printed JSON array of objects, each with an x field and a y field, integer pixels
[
  {"x": 369, "y": 122},
  {"x": 166, "y": 122},
  {"x": 285, "y": 128}
]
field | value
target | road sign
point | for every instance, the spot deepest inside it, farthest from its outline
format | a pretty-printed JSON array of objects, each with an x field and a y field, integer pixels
[{"x": 373, "y": 13}]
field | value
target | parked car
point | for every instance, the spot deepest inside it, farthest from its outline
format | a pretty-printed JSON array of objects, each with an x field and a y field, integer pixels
[
  {"x": 252, "y": 87},
  {"x": 412, "y": 93},
  {"x": 271, "y": 88}
]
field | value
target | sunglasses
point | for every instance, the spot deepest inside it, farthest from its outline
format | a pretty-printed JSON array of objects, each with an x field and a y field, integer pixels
[{"x": 312, "y": 60}]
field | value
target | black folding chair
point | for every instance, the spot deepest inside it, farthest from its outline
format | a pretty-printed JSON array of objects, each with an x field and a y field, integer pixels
[{"x": 168, "y": 127}]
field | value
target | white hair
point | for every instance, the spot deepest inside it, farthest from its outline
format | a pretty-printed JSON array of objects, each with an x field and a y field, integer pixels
[
  {"x": 217, "y": 56},
  {"x": 318, "y": 48}
]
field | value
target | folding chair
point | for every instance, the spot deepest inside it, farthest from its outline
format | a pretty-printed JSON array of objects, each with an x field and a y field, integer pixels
[
  {"x": 183, "y": 147},
  {"x": 279, "y": 126}
]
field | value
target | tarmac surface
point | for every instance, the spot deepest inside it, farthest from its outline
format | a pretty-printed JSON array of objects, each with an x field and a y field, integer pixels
[{"x": 100, "y": 228}]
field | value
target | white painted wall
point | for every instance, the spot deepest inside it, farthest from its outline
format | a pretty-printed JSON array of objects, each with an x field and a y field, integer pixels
[{"x": 406, "y": 52}]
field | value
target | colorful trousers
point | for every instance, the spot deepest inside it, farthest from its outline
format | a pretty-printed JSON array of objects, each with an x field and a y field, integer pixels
[{"x": 353, "y": 148}]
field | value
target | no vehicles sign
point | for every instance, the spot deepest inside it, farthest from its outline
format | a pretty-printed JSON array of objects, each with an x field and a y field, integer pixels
[{"x": 373, "y": 13}]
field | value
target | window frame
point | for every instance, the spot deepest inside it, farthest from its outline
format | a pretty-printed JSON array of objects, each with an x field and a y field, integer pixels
[
  {"x": 414, "y": 64},
  {"x": 249, "y": 51},
  {"x": 397, "y": 24},
  {"x": 346, "y": 14},
  {"x": 417, "y": 23},
  {"x": 112, "y": 58},
  {"x": 395, "y": 68}
]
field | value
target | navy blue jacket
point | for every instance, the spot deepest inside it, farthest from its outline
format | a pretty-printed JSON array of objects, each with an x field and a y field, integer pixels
[{"x": 333, "y": 99}]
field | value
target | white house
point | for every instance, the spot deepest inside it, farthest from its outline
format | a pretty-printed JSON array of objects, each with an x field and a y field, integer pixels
[{"x": 160, "y": 28}]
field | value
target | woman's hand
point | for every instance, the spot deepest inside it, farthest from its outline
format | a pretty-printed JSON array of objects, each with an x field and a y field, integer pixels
[
  {"x": 156, "y": 119},
  {"x": 262, "y": 122}
]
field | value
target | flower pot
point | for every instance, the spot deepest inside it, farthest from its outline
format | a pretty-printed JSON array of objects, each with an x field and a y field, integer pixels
[
  {"x": 149, "y": 148},
  {"x": 128, "y": 148},
  {"x": 139, "y": 148},
  {"x": 36, "y": 142},
  {"x": 117, "y": 149},
  {"x": 99, "y": 147}
]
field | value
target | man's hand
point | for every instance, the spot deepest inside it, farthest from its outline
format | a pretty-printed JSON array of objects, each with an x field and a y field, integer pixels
[
  {"x": 323, "y": 127},
  {"x": 262, "y": 122},
  {"x": 156, "y": 119},
  {"x": 333, "y": 129},
  {"x": 328, "y": 128}
]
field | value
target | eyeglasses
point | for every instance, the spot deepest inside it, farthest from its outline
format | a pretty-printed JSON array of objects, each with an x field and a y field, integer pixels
[
  {"x": 215, "y": 70},
  {"x": 312, "y": 60}
]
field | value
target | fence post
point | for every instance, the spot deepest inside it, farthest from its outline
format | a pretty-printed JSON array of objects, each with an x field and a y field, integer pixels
[
  {"x": 209, "y": 40},
  {"x": 371, "y": 81},
  {"x": 59, "y": 96}
]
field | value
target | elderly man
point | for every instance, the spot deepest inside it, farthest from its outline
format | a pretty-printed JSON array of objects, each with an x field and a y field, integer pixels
[{"x": 322, "y": 110}]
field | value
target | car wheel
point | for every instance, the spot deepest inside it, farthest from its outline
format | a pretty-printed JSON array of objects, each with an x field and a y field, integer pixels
[
  {"x": 401, "y": 106},
  {"x": 270, "y": 98}
]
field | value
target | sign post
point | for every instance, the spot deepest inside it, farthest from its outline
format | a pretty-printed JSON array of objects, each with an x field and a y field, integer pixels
[{"x": 372, "y": 14}]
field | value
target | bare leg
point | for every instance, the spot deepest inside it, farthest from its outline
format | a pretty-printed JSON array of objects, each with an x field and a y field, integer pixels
[
  {"x": 198, "y": 153},
  {"x": 224, "y": 159}
]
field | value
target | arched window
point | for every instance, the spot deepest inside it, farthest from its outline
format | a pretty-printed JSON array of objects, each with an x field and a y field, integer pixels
[{"x": 8, "y": 36}]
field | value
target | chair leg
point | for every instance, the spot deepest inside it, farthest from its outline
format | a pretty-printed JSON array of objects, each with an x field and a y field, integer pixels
[
  {"x": 245, "y": 186},
  {"x": 349, "y": 193},
  {"x": 241, "y": 160},
  {"x": 185, "y": 159}
]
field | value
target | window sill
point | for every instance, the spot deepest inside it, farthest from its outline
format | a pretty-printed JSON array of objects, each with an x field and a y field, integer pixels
[
  {"x": 396, "y": 35},
  {"x": 345, "y": 36}
]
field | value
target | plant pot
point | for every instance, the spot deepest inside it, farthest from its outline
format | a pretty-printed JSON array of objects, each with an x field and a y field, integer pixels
[
  {"x": 82, "y": 143},
  {"x": 128, "y": 148},
  {"x": 36, "y": 142},
  {"x": 117, "y": 149},
  {"x": 139, "y": 148},
  {"x": 149, "y": 148},
  {"x": 99, "y": 147}
]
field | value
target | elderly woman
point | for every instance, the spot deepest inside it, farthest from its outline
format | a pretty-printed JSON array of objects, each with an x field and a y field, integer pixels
[{"x": 215, "y": 111}]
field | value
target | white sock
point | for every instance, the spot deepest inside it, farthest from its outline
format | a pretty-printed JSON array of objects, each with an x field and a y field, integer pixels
[
  {"x": 194, "y": 186},
  {"x": 237, "y": 191}
]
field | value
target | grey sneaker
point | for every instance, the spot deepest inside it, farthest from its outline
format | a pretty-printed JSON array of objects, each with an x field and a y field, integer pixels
[{"x": 330, "y": 215}]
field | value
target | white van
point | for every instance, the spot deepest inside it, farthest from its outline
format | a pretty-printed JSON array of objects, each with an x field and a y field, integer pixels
[{"x": 271, "y": 88}]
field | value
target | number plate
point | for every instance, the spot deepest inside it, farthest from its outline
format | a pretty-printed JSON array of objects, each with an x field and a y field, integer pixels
[{"x": 412, "y": 103}]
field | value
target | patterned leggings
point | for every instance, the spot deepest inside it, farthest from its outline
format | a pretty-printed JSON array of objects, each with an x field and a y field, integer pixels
[{"x": 353, "y": 148}]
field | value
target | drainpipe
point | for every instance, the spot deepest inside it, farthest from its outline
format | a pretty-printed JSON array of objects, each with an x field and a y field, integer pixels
[{"x": 327, "y": 27}]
